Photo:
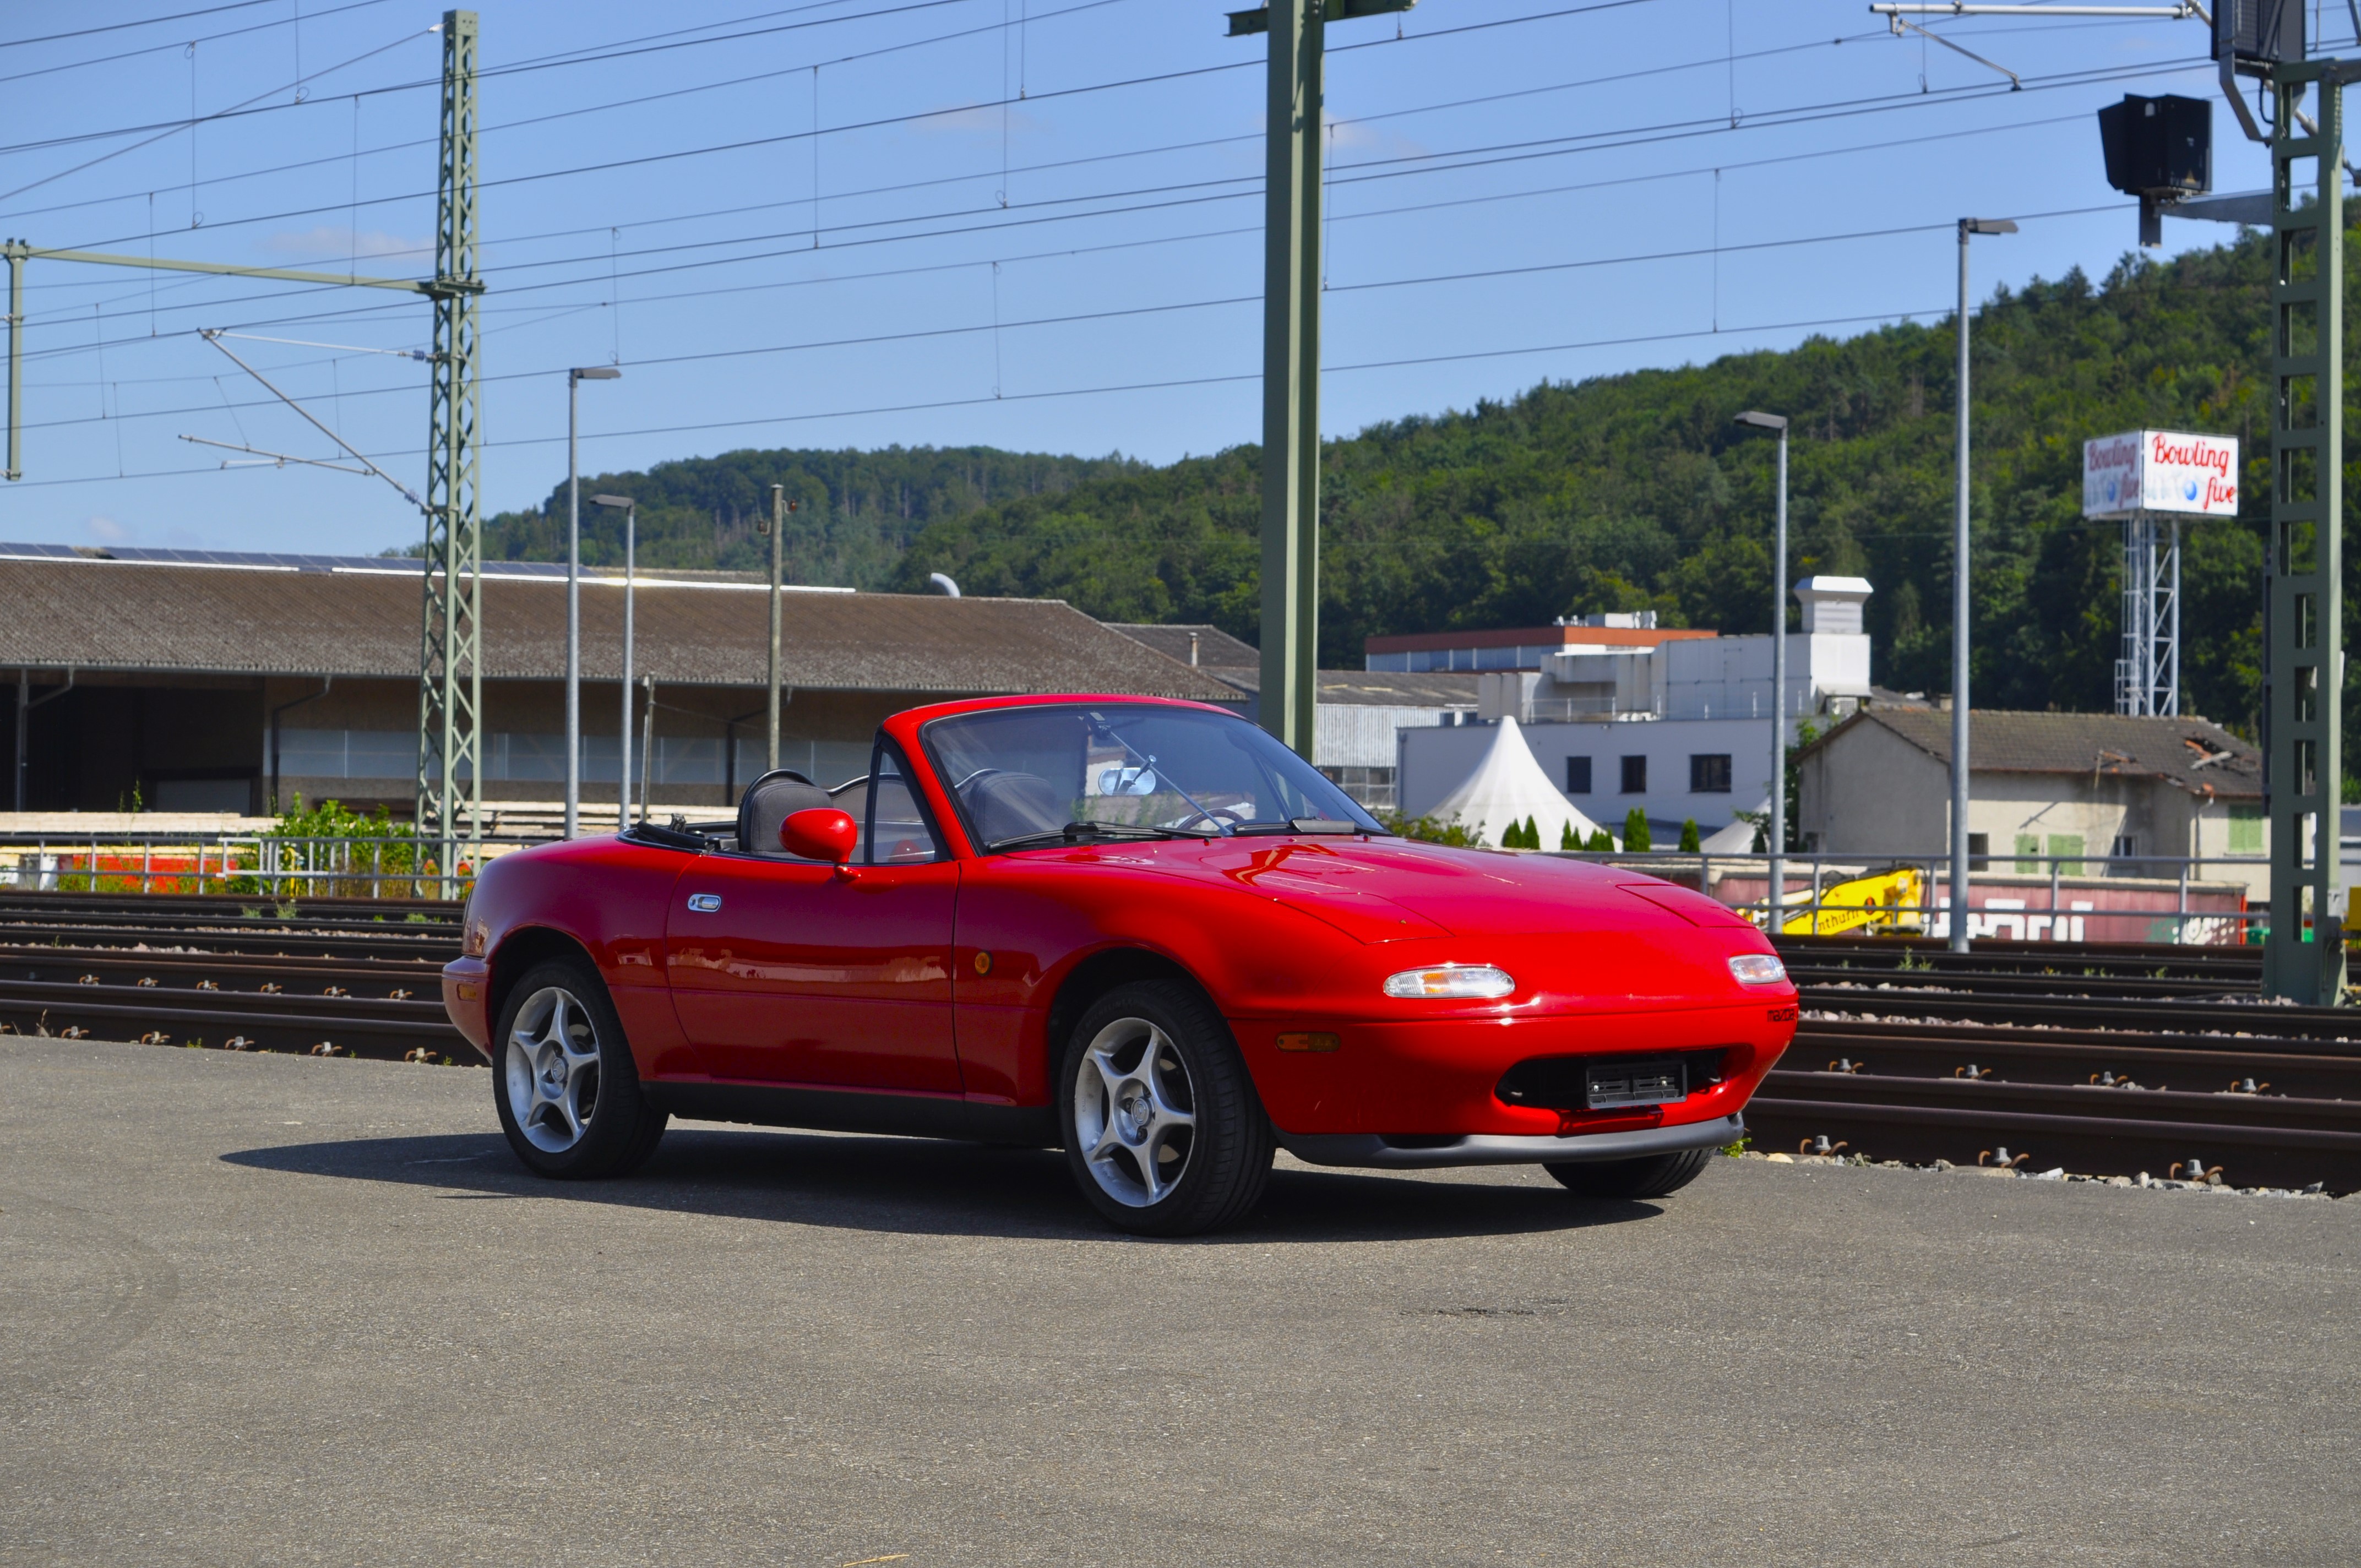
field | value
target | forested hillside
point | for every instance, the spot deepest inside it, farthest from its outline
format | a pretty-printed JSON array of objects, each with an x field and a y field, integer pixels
[
  {"x": 856, "y": 512},
  {"x": 1622, "y": 492}
]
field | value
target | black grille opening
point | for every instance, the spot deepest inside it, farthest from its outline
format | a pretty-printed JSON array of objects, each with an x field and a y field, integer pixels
[{"x": 1563, "y": 1084}]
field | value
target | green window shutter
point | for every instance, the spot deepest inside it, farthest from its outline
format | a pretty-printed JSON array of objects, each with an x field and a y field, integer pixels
[
  {"x": 2027, "y": 845},
  {"x": 2066, "y": 846},
  {"x": 2246, "y": 830}
]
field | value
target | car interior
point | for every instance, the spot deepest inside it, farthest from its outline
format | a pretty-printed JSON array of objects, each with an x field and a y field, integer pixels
[
  {"x": 1007, "y": 804},
  {"x": 770, "y": 801}
]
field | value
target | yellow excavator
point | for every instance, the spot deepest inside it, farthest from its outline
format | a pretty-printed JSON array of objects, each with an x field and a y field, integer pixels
[{"x": 1886, "y": 901}]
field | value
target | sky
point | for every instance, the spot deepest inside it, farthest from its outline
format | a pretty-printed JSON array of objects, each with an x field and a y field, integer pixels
[{"x": 1027, "y": 223}]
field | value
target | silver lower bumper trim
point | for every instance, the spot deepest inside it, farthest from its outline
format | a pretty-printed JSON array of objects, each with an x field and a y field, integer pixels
[{"x": 1370, "y": 1149}]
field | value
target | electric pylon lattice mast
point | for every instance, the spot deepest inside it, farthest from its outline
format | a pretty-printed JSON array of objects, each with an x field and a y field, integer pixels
[
  {"x": 450, "y": 672},
  {"x": 2303, "y": 957}
]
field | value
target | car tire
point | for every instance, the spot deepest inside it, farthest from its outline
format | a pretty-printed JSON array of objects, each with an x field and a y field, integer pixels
[
  {"x": 1162, "y": 1127},
  {"x": 1651, "y": 1176},
  {"x": 563, "y": 1079}
]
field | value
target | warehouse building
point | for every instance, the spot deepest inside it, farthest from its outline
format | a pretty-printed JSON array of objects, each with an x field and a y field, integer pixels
[
  {"x": 217, "y": 682},
  {"x": 2106, "y": 794}
]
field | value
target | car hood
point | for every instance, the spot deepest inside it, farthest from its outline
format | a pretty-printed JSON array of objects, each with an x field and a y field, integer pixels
[{"x": 1394, "y": 890}]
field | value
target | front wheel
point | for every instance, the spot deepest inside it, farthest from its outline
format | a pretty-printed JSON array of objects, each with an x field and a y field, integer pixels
[
  {"x": 567, "y": 1092},
  {"x": 1163, "y": 1130},
  {"x": 1651, "y": 1175}
]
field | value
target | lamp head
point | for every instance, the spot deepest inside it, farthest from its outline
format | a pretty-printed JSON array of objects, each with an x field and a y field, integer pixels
[
  {"x": 595, "y": 373},
  {"x": 1762, "y": 421},
  {"x": 1987, "y": 226},
  {"x": 624, "y": 501}
]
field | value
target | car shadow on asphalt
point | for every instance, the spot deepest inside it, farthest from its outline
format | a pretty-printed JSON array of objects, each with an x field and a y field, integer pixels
[{"x": 928, "y": 1187}]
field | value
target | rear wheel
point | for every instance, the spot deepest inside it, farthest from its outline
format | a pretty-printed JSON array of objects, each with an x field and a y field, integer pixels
[
  {"x": 1163, "y": 1130},
  {"x": 1651, "y": 1176},
  {"x": 567, "y": 1092}
]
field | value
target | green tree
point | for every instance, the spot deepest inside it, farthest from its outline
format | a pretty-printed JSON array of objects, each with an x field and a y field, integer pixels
[
  {"x": 1429, "y": 831},
  {"x": 1635, "y": 830},
  {"x": 1566, "y": 835},
  {"x": 1689, "y": 840},
  {"x": 1631, "y": 491}
]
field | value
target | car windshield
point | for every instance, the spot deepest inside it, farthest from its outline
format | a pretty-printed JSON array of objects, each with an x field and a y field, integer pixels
[{"x": 1117, "y": 770}]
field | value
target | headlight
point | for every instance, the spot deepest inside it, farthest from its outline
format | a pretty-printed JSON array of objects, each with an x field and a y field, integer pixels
[
  {"x": 1757, "y": 969},
  {"x": 1455, "y": 981}
]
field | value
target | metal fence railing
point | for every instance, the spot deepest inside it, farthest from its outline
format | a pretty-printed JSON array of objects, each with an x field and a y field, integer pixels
[
  {"x": 2204, "y": 899},
  {"x": 2197, "y": 899},
  {"x": 263, "y": 865}
]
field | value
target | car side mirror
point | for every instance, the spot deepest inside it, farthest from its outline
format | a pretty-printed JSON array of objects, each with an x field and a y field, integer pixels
[{"x": 821, "y": 833}]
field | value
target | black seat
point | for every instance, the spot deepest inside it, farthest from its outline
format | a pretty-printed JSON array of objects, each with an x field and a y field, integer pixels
[
  {"x": 770, "y": 801},
  {"x": 1009, "y": 805}
]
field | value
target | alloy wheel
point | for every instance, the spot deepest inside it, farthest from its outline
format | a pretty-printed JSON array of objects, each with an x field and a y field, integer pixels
[
  {"x": 553, "y": 1069},
  {"x": 1134, "y": 1111}
]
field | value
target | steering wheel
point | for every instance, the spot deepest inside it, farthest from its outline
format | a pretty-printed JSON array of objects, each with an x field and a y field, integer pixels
[{"x": 1208, "y": 815}]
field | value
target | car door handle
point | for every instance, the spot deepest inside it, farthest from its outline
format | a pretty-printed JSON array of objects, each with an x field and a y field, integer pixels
[{"x": 704, "y": 902}]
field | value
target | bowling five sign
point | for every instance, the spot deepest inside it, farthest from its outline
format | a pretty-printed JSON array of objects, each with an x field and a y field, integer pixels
[{"x": 2159, "y": 470}]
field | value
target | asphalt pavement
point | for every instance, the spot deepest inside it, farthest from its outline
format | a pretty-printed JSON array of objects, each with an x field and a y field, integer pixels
[{"x": 273, "y": 1309}]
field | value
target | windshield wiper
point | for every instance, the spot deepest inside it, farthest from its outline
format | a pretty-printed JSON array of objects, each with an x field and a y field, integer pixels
[
  {"x": 1101, "y": 727},
  {"x": 1301, "y": 825},
  {"x": 1075, "y": 832}
]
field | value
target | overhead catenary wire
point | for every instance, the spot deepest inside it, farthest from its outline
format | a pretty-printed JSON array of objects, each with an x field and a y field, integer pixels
[
  {"x": 1231, "y": 301},
  {"x": 1766, "y": 119},
  {"x": 614, "y": 105},
  {"x": 1450, "y": 161},
  {"x": 175, "y": 43},
  {"x": 994, "y": 219},
  {"x": 252, "y": 107},
  {"x": 510, "y": 289},
  {"x": 195, "y": 120},
  {"x": 1005, "y": 104},
  {"x": 1177, "y": 383}
]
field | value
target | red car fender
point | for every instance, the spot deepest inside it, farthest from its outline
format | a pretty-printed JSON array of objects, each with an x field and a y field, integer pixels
[
  {"x": 1029, "y": 922},
  {"x": 603, "y": 898}
]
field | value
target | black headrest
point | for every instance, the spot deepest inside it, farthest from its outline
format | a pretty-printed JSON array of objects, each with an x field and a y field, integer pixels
[
  {"x": 769, "y": 801},
  {"x": 1007, "y": 804}
]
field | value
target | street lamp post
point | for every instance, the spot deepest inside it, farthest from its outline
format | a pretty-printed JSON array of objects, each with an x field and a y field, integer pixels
[
  {"x": 1777, "y": 886},
  {"x": 574, "y": 380},
  {"x": 1968, "y": 227},
  {"x": 631, "y": 510}
]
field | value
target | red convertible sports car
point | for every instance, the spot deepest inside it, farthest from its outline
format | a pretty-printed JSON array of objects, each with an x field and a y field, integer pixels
[{"x": 1142, "y": 931}]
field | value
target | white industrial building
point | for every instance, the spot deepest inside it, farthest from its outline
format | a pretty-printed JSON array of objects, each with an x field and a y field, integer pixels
[{"x": 1680, "y": 726}]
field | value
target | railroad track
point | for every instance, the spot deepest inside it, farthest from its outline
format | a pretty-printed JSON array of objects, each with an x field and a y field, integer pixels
[
  {"x": 2075, "y": 1055},
  {"x": 335, "y": 929},
  {"x": 327, "y": 977},
  {"x": 2105, "y": 1058},
  {"x": 2233, "y": 968},
  {"x": 2051, "y": 984}
]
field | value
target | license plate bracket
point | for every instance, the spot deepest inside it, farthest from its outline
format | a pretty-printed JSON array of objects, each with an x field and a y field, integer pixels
[{"x": 1653, "y": 1080}]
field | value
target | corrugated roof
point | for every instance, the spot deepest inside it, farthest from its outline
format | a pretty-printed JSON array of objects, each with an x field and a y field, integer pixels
[
  {"x": 144, "y": 616},
  {"x": 1214, "y": 646},
  {"x": 2192, "y": 754}
]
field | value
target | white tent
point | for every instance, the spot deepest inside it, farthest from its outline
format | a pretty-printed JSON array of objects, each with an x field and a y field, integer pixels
[
  {"x": 1508, "y": 787},
  {"x": 1737, "y": 839}
]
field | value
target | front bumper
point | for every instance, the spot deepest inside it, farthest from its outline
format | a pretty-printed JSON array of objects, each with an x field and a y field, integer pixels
[
  {"x": 1442, "y": 1076},
  {"x": 1372, "y": 1150},
  {"x": 466, "y": 992}
]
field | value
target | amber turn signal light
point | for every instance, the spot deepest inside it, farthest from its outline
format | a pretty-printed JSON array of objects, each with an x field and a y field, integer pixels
[{"x": 1309, "y": 1042}]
